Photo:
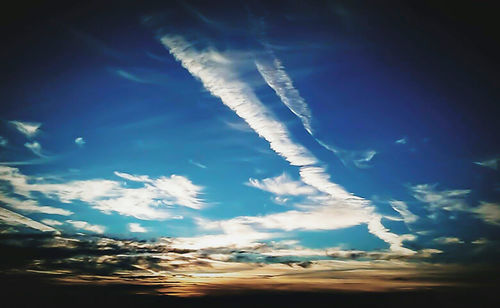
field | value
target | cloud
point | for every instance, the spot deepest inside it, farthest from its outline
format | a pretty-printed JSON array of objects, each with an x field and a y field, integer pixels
[
  {"x": 197, "y": 164},
  {"x": 80, "y": 142},
  {"x": 3, "y": 141},
  {"x": 491, "y": 163},
  {"x": 449, "y": 200},
  {"x": 269, "y": 266},
  {"x": 239, "y": 126},
  {"x": 31, "y": 206},
  {"x": 448, "y": 240},
  {"x": 455, "y": 200},
  {"x": 11, "y": 218},
  {"x": 220, "y": 81},
  {"x": 52, "y": 222},
  {"x": 175, "y": 189},
  {"x": 136, "y": 228},
  {"x": 402, "y": 209},
  {"x": 481, "y": 241},
  {"x": 330, "y": 215},
  {"x": 129, "y": 76},
  {"x": 218, "y": 76},
  {"x": 401, "y": 141},
  {"x": 34, "y": 147},
  {"x": 274, "y": 74},
  {"x": 149, "y": 202},
  {"x": 83, "y": 225},
  {"x": 282, "y": 185},
  {"x": 29, "y": 129},
  {"x": 488, "y": 212},
  {"x": 364, "y": 158},
  {"x": 359, "y": 159}
]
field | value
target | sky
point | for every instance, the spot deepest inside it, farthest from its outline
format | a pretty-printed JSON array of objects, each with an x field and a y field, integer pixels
[{"x": 283, "y": 145}]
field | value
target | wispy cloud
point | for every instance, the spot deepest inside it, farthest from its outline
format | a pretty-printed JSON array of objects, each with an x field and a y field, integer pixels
[
  {"x": 273, "y": 72},
  {"x": 282, "y": 185},
  {"x": 80, "y": 142},
  {"x": 175, "y": 189},
  {"x": 129, "y": 76},
  {"x": 239, "y": 126},
  {"x": 29, "y": 129},
  {"x": 3, "y": 141},
  {"x": 402, "y": 209},
  {"x": 490, "y": 163},
  {"x": 401, "y": 141},
  {"x": 488, "y": 212},
  {"x": 152, "y": 201},
  {"x": 32, "y": 206},
  {"x": 455, "y": 200},
  {"x": 136, "y": 228},
  {"x": 360, "y": 159},
  {"x": 197, "y": 164},
  {"x": 83, "y": 225},
  {"x": 52, "y": 222},
  {"x": 218, "y": 77},
  {"x": 12, "y": 218},
  {"x": 481, "y": 241},
  {"x": 34, "y": 147},
  {"x": 448, "y": 240},
  {"x": 449, "y": 200}
]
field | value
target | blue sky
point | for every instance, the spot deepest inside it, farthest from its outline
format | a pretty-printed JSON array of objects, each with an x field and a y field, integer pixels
[{"x": 306, "y": 130}]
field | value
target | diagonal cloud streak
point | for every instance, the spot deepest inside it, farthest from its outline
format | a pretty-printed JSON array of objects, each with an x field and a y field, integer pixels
[
  {"x": 273, "y": 72},
  {"x": 217, "y": 76}
]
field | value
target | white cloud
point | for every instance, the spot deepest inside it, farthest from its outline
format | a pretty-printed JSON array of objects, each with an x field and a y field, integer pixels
[
  {"x": 129, "y": 76},
  {"x": 401, "y": 141},
  {"x": 80, "y": 142},
  {"x": 3, "y": 141},
  {"x": 364, "y": 158},
  {"x": 148, "y": 202},
  {"x": 276, "y": 77},
  {"x": 217, "y": 74},
  {"x": 83, "y": 225},
  {"x": 319, "y": 179},
  {"x": 136, "y": 228},
  {"x": 29, "y": 129},
  {"x": 455, "y": 200},
  {"x": 134, "y": 178},
  {"x": 488, "y": 212},
  {"x": 359, "y": 159},
  {"x": 449, "y": 200},
  {"x": 175, "y": 189},
  {"x": 31, "y": 206},
  {"x": 239, "y": 126},
  {"x": 280, "y": 200},
  {"x": 52, "y": 222},
  {"x": 331, "y": 215},
  {"x": 34, "y": 147},
  {"x": 219, "y": 79},
  {"x": 448, "y": 240},
  {"x": 402, "y": 209},
  {"x": 273, "y": 72},
  {"x": 246, "y": 237},
  {"x": 11, "y": 218},
  {"x": 491, "y": 163},
  {"x": 282, "y": 185},
  {"x": 197, "y": 164}
]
